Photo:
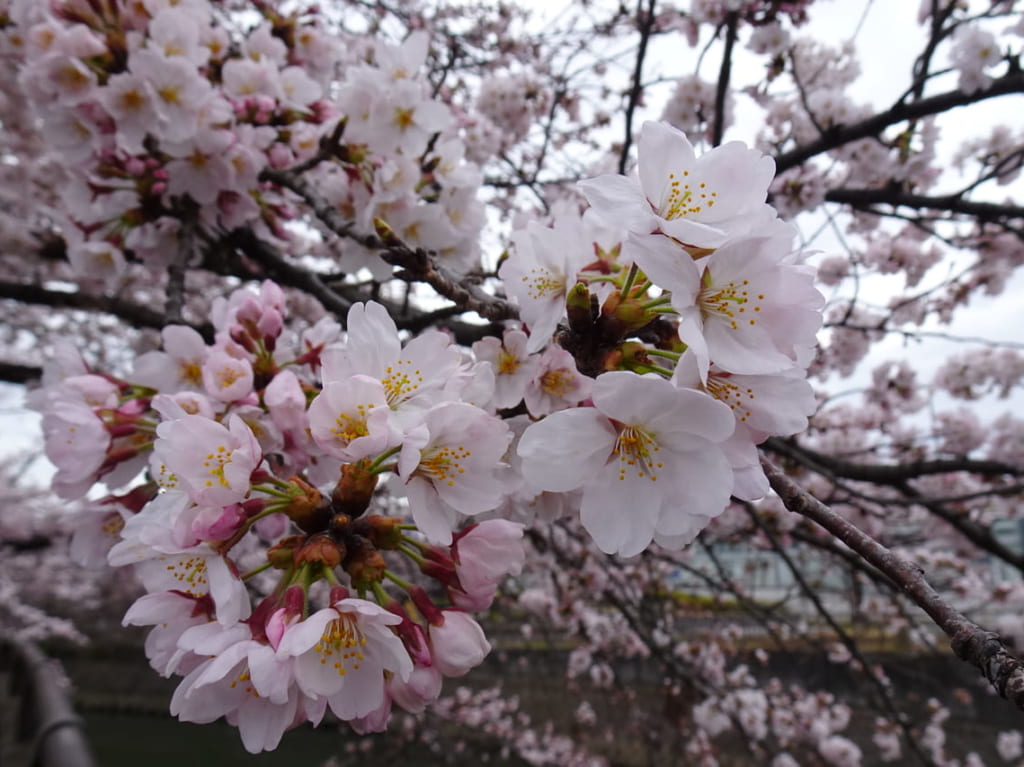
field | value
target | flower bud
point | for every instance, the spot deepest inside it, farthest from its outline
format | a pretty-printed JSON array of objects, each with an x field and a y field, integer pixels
[
  {"x": 384, "y": 532},
  {"x": 422, "y": 687},
  {"x": 578, "y": 308},
  {"x": 307, "y": 508},
  {"x": 459, "y": 643}
]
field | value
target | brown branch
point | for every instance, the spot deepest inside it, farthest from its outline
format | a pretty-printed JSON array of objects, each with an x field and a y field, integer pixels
[
  {"x": 175, "y": 290},
  {"x": 645, "y": 20},
  {"x": 833, "y": 138},
  {"x": 833, "y": 469},
  {"x": 724, "y": 75},
  {"x": 970, "y": 642},
  {"x": 886, "y": 473},
  {"x": 15, "y": 373},
  {"x": 881, "y": 687},
  {"x": 135, "y": 314},
  {"x": 419, "y": 265},
  {"x": 986, "y": 211},
  {"x": 279, "y": 269}
]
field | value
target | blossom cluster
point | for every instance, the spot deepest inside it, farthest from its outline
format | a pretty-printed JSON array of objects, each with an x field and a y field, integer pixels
[
  {"x": 680, "y": 292},
  {"x": 235, "y": 436},
  {"x": 164, "y": 118},
  {"x": 664, "y": 334}
]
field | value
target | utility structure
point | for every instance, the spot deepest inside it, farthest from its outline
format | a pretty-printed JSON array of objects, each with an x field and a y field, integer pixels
[{"x": 38, "y": 726}]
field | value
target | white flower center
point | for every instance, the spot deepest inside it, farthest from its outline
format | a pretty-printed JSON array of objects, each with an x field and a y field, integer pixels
[
  {"x": 341, "y": 644},
  {"x": 444, "y": 464},
  {"x": 683, "y": 199},
  {"x": 731, "y": 302},
  {"x": 348, "y": 428},
  {"x": 190, "y": 573},
  {"x": 215, "y": 463},
  {"x": 724, "y": 390},
  {"x": 400, "y": 383},
  {"x": 636, "y": 452},
  {"x": 541, "y": 283}
]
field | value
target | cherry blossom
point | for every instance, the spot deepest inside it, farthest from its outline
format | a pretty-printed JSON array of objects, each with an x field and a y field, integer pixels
[{"x": 642, "y": 439}]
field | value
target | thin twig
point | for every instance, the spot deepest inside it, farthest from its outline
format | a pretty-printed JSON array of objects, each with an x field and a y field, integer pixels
[
  {"x": 724, "y": 75},
  {"x": 645, "y": 20}
]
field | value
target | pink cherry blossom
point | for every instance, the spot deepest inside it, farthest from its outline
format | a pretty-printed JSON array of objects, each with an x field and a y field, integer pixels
[
  {"x": 213, "y": 462},
  {"x": 458, "y": 643},
  {"x": 449, "y": 466}
]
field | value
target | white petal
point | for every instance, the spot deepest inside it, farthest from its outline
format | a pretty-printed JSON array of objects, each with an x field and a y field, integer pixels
[{"x": 565, "y": 449}]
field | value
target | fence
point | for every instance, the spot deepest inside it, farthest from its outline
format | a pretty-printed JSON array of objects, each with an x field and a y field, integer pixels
[{"x": 38, "y": 726}]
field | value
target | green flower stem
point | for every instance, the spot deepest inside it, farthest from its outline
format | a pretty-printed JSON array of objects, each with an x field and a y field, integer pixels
[
  {"x": 656, "y": 302},
  {"x": 643, "y": 287},
  {"x": 664, "y": 353},
  {"x": 411, "y": 553},
  {"x": 380, "y": 594},
  {"x": 631, "y": 276},
  {"x": 400, "y": 582},
  {"x": 256, "y": 570},
  {"x": 376, "y": 468}
]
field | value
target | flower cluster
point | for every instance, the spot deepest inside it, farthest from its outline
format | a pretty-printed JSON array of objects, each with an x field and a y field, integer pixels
[
  {"x": 664, "y": 334},
  {"x": 236, "y": 437},
  {"x": 164, "y": 121},
  {"x": 699, "y": 346}
]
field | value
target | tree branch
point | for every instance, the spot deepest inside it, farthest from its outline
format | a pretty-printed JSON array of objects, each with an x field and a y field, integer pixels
[
  {"x": 886, "y": 473},
  {"x": 874, "y": 125},
  {"x": 724, "y": 75},
  {"x": 970, "y": 642},
  {"x": 420, "y": 265},
  {"x": 880, "y": 686},
  {"x": 15, "y": 373},
  {"x": 646, "y": 22},
  {"x": 136, "y": 314},
  {"x": 986, "y": 211},
  {"x": 279, "y": 269}
]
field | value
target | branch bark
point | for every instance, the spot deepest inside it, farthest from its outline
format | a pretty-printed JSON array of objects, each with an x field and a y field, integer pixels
[
  {"x": 986, "y": 211},
  {"x": 645, "y": 20},
  {"x": 970, "y": 642},
  {"x": 874, "y": 125},
  {"x": 420, "y": 265},
  {"x": 135, "y": 314}
]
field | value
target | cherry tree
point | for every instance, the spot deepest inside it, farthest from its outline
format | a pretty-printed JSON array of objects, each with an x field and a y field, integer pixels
[{"x": 344, "y": 313}]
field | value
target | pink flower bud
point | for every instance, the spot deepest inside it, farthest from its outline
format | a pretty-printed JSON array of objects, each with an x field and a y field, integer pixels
[
  {"x": 422, "y": 687},
  {"x": 249, "y": 311},
  {"x": 211, "y": 524},
  {"x": 280, "y": 156},
  {"x": 459, "y": 643},
  {"x": 487, "y": 552},
  {"x": 265, "y": 103},
  {"x": 270, "y": 323}
]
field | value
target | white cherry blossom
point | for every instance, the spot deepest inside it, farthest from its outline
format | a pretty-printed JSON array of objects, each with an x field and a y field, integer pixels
[
  {"x": 700, "y": 201},
  {"x": 647, "y": 456}
]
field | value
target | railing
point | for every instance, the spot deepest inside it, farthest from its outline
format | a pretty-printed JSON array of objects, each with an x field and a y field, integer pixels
[{"x": 38, "y": 726}]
